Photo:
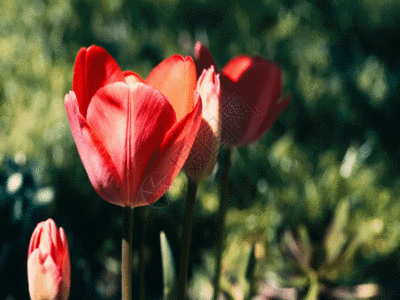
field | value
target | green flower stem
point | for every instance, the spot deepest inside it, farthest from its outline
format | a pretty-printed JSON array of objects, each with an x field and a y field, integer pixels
[
  {"x": 221, "y": 217},
  {"x": 127, "y": 227},
  {"x": 186, "y": 239},
  {"x": 142, "y": 252}
]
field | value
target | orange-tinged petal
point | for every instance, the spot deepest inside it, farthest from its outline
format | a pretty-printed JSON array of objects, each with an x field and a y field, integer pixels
[
  {"x": 94, "y": 68},
  {"x": 132, "y": 121},
  {"x": 175, "y": 78},
  {"x": 165, "y": 163},
  {"x": 99, "y": 166}
]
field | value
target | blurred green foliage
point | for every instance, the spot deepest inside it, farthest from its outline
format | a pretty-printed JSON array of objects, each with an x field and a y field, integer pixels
[{"x": 337, "y": 144}]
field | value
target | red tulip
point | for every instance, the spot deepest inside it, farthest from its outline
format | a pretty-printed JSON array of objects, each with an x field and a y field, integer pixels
[
  {"x": 203, "y": 155},
  {"x": 133, "y": 136},
  {"x": 49, "y": 274},
  {"x": 250, "y": 91}
]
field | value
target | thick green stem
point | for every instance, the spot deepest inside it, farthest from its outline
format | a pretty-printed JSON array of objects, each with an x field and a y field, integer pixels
[
  {"x": 221, "y": 217},
  {"x": 186, "y": 239},
  {"x": 127, "y": 227}
]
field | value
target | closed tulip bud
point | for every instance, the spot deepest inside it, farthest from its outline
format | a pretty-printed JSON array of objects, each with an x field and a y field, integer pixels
[
  {"x": 49, "y": 271},
  {"x": 203, "y": 155}
]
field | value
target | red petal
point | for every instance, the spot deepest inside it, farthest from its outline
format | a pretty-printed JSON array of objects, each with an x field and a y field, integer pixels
[
  {"x": 35, "y": 238},
  {"x": 94, "y": 68},
  {"x": 132, "y": 121},
  {"x": 273, "y": 114},
  {"x": 203, "y": 57},
  {"x": 166, "y": 163},
  {"x": 97, "y": 161},
  {"x": 236, "y": 66},
  {"x": 175, "y": 78},
  {"x": 66, "y": 267},
  {"x": 48, "y": 239},
  {"x": 256, "y": 85}
]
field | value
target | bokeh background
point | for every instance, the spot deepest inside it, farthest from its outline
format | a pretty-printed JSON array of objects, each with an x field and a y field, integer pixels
[{"x": 314, "y": 203}]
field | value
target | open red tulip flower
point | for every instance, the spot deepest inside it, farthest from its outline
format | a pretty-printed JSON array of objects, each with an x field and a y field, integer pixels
[
  {"x": 133, "y": 135},
  {"x": 204, "y": 152},
  {"x": 251, "y": 89},
  {"x": 49, "y": 271}
]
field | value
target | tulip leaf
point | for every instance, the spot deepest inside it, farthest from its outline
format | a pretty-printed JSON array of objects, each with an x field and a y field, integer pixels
[
  {"x": 168, "y": 267},
  {"x": 305, "y": 244},
  {"x": 336, "y": 237}
]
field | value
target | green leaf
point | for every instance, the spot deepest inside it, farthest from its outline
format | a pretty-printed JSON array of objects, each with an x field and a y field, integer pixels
[
  {"x": 168, "y": 267},
  {"x": 235, "y": 263},
  {"x": 336, "y": 237},
  {"x": 313, "y": 291},
  {"x": 305, "y": 244},
  {"x": 296, "y": 250}
]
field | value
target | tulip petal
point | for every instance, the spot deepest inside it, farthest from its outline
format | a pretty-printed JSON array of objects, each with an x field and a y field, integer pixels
[
  {"x": 175, "y": 78},
  {"x": 257, "y": 86},
  {"x": 35, "y": 239},
  {"x": 235, "y": 113},
  {"x": 236, "y": 66},
  {"x": 165, "y": 164},
  {"x": 97, "y": 161},
  {"x": 273, "y": 114},
  {"x": 66, "y": 266},
  {"x": 132, "y": 121},
  {"x": 48, "y": 239},
  {"x": 204, "y": 59},
  {"x": 203, "y": 155},
  {"x": 43, "y": 276},
  {"x": 46, "y": 236},
  {"x": 209, "y": 88},
  {"x": 94, "y": 68},
  {"x": 266, "y": 78}
]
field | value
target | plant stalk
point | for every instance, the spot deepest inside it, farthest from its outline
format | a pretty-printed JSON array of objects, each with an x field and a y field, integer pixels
[
  {"x": 186, "y": 239},
  {"x": 142, "y": 253},
  {"x": 126, "y": 268},
  {"x": 221, "y": 217}
]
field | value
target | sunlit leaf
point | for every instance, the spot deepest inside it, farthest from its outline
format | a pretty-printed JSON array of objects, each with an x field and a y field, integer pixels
[{"x": 168, "y": 267}]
